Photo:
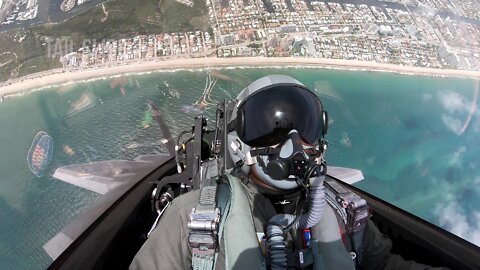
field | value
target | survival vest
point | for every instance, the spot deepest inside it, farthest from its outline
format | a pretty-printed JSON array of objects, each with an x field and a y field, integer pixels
[{"x": 221, "y": 219}]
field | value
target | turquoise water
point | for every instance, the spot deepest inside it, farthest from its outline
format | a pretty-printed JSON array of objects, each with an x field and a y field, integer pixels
[{"x": 408, "y": 134}]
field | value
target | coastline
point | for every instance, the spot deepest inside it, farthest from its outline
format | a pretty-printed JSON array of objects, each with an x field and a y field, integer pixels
[{"x": 67, "y": 75}]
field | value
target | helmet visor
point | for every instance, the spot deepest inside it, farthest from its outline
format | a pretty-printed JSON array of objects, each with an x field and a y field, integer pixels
[{"x": 266, "y": 118}]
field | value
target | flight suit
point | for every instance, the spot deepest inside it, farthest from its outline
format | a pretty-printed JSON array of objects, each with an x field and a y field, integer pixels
[{"x": 167, "y": 247}]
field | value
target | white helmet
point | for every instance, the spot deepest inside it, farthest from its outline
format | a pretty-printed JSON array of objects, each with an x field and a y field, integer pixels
[{"x": 265, "y": 114}]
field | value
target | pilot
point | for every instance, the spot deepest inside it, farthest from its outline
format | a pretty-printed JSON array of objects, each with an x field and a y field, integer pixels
[{"x": 271, "y": 210}]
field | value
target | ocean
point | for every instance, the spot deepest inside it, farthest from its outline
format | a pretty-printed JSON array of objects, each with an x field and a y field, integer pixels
[{"x": 414, "y": 137}]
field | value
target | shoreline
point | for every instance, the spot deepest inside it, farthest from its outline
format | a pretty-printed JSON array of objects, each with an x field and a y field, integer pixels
[{"x": 68, "y": 75}]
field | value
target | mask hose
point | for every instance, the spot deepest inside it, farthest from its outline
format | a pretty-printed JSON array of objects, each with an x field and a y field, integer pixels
[{"x": 277, "y": 224}]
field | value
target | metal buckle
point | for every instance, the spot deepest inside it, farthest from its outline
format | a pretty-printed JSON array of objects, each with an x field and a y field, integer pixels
[
  {"x": 203, "y": 226},
  {"x": 202, "y": 243},
  {"x": 207, "y": 221}
]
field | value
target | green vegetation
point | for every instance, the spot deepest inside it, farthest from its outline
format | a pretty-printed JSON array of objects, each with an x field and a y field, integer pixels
[
  {"x": 26, "y": 53},
  {"x": 131, "y": 17},
  {"x": 121, "y": 19}
]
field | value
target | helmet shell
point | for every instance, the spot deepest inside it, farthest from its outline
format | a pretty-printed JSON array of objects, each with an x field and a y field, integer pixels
[
  {"x": 253, "y": 120},
  {"x": 269, "y": 108}
]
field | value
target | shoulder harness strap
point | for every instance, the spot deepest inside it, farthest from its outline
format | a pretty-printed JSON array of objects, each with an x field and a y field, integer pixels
[
  {"x": 206, "y": 224},
  {"x": 354, "y": 212}
]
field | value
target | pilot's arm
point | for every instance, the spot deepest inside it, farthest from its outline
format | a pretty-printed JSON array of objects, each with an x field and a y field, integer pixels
[
  {"x": 378, "y": 256},
  {"x": 167, "y": 246}
]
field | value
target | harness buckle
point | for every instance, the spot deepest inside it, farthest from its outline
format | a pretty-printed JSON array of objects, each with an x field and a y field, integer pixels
[
  {"x": 202, "y": 243},
  {"x": 203, "y": 227}
]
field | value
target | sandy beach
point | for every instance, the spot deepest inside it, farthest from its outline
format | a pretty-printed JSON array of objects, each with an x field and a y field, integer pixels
[{"x": 65, "y": 75}]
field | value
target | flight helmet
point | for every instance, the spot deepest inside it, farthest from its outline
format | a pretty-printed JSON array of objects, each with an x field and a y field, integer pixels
[{"x": 275, "y": 117}]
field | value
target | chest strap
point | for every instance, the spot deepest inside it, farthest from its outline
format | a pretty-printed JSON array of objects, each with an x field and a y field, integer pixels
[{"x": 205, "y": 224}]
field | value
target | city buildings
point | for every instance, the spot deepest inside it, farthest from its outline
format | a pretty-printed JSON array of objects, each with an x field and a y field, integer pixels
[{"x": 407, "y": 32}]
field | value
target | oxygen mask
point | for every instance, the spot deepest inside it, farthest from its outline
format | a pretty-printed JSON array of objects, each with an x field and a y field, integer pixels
[{"x": 291, "y": 160}]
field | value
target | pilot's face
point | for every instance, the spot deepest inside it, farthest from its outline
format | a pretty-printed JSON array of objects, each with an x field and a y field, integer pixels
[{"x": 259, "y": 173}]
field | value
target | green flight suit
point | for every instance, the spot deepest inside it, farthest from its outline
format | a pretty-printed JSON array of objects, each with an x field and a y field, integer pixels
[{"x": 167, "y": 247}]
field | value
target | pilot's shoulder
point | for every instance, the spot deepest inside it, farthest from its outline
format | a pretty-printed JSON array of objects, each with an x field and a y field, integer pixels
[{"x": 187, "y": 200}]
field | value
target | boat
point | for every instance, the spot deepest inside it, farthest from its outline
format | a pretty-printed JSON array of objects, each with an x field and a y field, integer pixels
[
  {"x": 40, "y": 153},
  {"x": 111, "y": 231}
]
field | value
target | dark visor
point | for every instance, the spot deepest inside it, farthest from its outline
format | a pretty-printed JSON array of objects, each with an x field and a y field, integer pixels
[{"x": 265, "y": 118}]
